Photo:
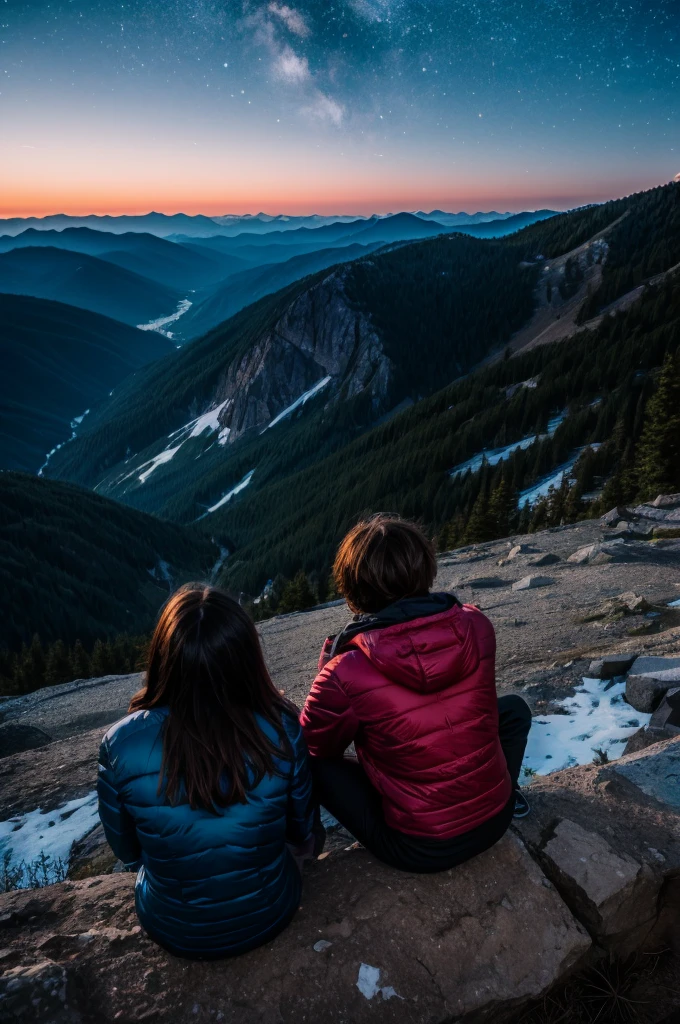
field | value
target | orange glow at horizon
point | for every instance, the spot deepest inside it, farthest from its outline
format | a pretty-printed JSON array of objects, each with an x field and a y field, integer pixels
[{"x": 97, "y": 200}]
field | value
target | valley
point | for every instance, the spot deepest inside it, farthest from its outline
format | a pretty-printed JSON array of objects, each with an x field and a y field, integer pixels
[{"x": 380, "y": 375}]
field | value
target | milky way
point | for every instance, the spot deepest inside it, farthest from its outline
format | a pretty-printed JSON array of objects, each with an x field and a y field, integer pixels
[{"x": 224, "y": 102}]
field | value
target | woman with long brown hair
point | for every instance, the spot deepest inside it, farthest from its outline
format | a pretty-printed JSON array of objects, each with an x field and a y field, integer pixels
[{"x": 205, "y": 785}]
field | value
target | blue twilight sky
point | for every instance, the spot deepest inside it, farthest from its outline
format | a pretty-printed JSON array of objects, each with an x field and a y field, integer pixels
[{"x": 350, "y": 106}]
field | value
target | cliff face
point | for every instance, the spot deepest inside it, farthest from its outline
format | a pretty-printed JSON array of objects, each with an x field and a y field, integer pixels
[{"x": 318, "y": 336}]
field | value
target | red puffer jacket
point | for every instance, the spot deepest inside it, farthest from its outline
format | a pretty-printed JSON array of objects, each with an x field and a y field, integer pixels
[{"x": 419, "y": 701}]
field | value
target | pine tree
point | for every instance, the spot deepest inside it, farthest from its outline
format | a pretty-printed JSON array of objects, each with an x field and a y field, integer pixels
[
  {"x": 58, "y": 667},
  {"x": 100, "y": 662},
  {"x": 658, "y": 457},
  {"x": 480, "y": 525},
  {"x": 33, "y": 664},
  {"x": 80, "y": 661},
  {"x": 502, "y": 508},
  {"x": 297, "y": 595}
]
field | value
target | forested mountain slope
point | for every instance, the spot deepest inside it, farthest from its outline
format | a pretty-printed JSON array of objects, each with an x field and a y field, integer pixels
[
  {"x": 74, "y": 565},
  {"x": 375, "y": 333},
  {"x": 57, "y": 361},
  {"x": 86, "y": 281},
  {"x": 247, "y": 286},
  {"x": 284, "y": 423},
  {"x": 600, "y": 382}
]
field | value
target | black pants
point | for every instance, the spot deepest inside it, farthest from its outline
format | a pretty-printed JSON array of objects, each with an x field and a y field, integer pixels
[{"x": 343, "y": 788}]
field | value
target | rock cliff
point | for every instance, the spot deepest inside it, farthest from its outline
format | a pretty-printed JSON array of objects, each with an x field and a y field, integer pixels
[{"x": 319, "y": 335}]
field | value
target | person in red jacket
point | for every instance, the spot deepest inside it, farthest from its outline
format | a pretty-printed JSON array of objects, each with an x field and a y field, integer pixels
[{"x": 411, "y": 682}]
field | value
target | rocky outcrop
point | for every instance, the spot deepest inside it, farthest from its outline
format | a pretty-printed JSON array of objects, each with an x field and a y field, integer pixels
[
  {"x": 320, "y": 335},
  {"x": 610, "y": 666},
  {"x": 649, "y": 680},
  {"x": 609, "y": 838},
  {"x": 594, "y": 867},
  {"x": 368, "y": 944}
]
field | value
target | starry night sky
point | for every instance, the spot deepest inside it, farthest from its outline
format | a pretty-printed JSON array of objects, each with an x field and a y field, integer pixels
[{"x": 351, "y": 106}]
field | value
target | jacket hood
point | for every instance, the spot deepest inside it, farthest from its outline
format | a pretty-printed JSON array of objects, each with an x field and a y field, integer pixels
[{"x": 426, "y": 644}]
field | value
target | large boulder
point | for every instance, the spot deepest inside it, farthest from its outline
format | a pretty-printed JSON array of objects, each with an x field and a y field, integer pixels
[
  {"x": 368, "y": 944},
  {"x": 666, "y": 719},
  {"x": 656, "y": 773},
  {"x": 608, "y": 836},
  {"x": 610, "y": 666},
  {"x": 649, "y": 679},
  {"x": 608, "y": 889}
]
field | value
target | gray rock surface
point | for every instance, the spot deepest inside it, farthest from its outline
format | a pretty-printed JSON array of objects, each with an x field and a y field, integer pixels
[
  {"x": 486, "y": 582},
  {"x": 532, "y": 582},
  {"x": 34, "y": 992},
  {"x": 666, "y": 719},
  {"x": 609, "y": 837},
  {"x": 550, "y": 558},
  {"x": 669, "y": 501},
  {"x": 463, "y": 944},
  {"x": 610, "y": 666},
  {"x": 608, "y": 890},
  {"x": 15, "y": 737},
  {"x": 655, "y": 772},
  {"x": 649, "y": 679}
]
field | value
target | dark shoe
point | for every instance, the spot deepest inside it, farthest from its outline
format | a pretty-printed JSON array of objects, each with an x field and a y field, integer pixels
[{"x": 521, "y": 805}]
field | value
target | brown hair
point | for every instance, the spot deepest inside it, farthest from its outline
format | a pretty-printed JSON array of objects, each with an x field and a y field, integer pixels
[
  {"x": 381, "y": 560},
  {"x": 206, "y": 666}
]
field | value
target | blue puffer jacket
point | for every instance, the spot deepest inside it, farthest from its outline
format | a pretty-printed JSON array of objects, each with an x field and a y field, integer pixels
[{"x": 209, "y": 885}]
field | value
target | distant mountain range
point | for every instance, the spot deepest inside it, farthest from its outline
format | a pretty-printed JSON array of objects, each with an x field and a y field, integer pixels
[
  {"x": 199, "y": 226},
  {"x": 176, "y": 266}
]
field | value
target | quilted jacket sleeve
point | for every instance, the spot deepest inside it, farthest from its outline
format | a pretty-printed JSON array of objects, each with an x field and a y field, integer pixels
[
  {"x": 328, "y": 720},
  {"x": 119, "y": 827},
  {"x": 300, "y": 811}
]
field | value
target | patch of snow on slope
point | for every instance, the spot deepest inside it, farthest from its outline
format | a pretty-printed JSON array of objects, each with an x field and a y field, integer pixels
[
  {"x": 597, "y": 717},
  {"x": 163, "y": 321},
  {"x": 194, "y": 428},
  {"x": 75, "y": 423},
  {"x": 495, "y": 455},
  {"x": 207, "y": 421},
  {"x": 554, "y": 479},
  {"x": 52, "y": 833},
  {"x": 158, "y": 460},
  {"x": 319, "y": 386},
  {"x": 230, "y": 494}
]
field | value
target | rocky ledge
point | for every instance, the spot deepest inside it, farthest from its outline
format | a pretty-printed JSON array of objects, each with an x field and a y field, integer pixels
[{"x": 593, "y": 872}]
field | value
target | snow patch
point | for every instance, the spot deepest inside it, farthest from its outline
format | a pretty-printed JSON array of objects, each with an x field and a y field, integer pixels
[
  {"x": 597, "y": 718},
  {"x": 50, "y": 833},
  {"x": 75, "y": 423},
  {"x": 163, "y": 321},
  {"x": 554, "y": 479},
  {"x": 674, "y": 604},
  {"x": 158, "y": 460},
  {"x": 207, "y": 421},
  {"x": 230, "y": 494},
  {"x": 319, "y": 386},
  {"x": 495, "y": 455},
  {"x": 367, "y": 983}
]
